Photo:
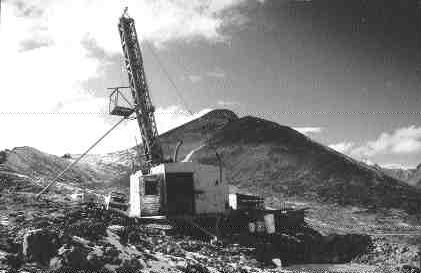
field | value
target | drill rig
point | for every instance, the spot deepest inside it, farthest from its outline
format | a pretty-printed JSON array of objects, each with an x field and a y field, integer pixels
[{"x": 159, "y": 188}]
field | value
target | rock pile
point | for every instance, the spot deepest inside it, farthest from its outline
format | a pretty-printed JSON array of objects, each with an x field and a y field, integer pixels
[
  {"x": 91, "y": 239},
  {"x": 394, "y": 253},
  {"x": 74, "y": 237}
]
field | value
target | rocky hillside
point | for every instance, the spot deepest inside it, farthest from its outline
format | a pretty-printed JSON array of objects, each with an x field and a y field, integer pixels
[
  {"x": 193, "y": 134},
  {"x": 400, "y": 174},
  {"x": 42, "y": 167},
  {"x": 411, "y": 176},
  {"x": 258, "y": 155},
  {"x": 196, "y": 132},
  {"x": 415, "y": 179},
  {"x": 275, "y": 159}
]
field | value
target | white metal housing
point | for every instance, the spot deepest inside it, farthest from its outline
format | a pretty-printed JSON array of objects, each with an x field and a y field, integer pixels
[{"x": 209, "y": 193}]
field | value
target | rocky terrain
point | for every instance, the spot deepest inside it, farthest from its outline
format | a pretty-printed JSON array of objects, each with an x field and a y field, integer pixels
[
  {"x": 256, "y": 153},
  {"x": 56, "y": 234},
  {"x": 287, "y": 168},
  {"x": 277, "y": 159},
  {"x": 411, "y": 176},
  {"x": 41, "y": 166},
  {"x": 415, "y": 179}
]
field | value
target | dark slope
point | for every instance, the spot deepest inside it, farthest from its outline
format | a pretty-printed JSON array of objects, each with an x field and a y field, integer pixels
[
  {"x": 275, "y": 159},
  {"x": 401, "y": 174},
  {"x": 196, "y": 132},
  {"x": 410, "y": 176},
  {"x": 193, "y": 134},
  {"x": 415, "y": 178}
]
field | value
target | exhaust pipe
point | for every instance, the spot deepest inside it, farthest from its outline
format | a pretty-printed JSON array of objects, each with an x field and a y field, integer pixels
[{"x": 177, "y": 147}]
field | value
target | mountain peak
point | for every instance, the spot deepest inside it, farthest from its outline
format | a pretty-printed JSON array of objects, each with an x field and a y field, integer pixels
[
  {"x": 251, "y": 129},
  {"x": 221, "y": 113}
]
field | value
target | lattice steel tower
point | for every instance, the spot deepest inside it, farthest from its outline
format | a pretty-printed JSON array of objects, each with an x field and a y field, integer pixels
[{"x": 143, "y": 107}]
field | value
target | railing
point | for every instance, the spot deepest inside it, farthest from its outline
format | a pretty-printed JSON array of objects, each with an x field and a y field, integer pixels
[{"x": 119, "y": 105}]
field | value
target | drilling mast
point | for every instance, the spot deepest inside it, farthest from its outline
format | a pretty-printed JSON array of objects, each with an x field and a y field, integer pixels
[
  {"x": 160, "y": 187},
  {"x": 143, "y": 108}
]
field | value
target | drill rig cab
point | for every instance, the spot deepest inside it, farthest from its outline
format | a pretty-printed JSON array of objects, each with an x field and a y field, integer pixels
[
  {"x": 178, "y": 189},
  {"x": 159, "y": 188}
]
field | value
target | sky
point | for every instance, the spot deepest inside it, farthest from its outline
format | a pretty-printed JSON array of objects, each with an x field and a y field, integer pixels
[{"x": 345, "y": 73}]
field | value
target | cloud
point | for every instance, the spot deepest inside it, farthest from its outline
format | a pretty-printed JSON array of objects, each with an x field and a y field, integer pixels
[
  {"x": 308, "y": 130},
  {"x": 74, "y": 133},
  {"x": 342, "y": 147},
  {"x": 158, "y": 21},
  {"x": 216, "y": 74},
  {"x": 173, "y": 116},
  {"x": 228, "y": 103},
  {"x": 46, "y": 59},
  {"x": 401, "y": 142},
  {"x": 368, "y": 161},
  {"x": 397, "y": 166},
  {"x": 66, "y": 132},
  {"x": 195, "y": 78}
]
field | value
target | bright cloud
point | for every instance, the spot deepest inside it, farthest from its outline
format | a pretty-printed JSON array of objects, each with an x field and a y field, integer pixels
[
  {"x": 45, "y": 61},
  {"x": 397, "y": 166},
  {"x": 195, "y": 78},
  {"x": 308, "y": 130},
  {"x": 342, "y": 147},
  {"x": 216, "y": 74},
  {"x": 158, "y": 21},
  {"x": 174, "y": 116},
  {"x": 402, "y": 141},
  {"x": 225, "y": 103},
  {"x": 74, "y": 133}
]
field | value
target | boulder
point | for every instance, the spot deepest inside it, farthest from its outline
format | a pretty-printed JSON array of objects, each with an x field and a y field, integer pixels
[
  {"x": 3, "y": 256},
  {"x": 40, "y": 245},
  {"x": 111, "y": 255},
  {"x": 8, "y": 260},
  {"x": 130, "y": 265},
  {"x": 410, "y": 269},
  {"x": 90, "y": 230},
  {"x": 75, "y": 257},
  {"x": 95, "y": 261},
  {"x": 277, "y": 262},
  {"x": 134, "y": 238},
  {"x": 56, "y": 263},
  {"x": 196, "y": 268}
]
